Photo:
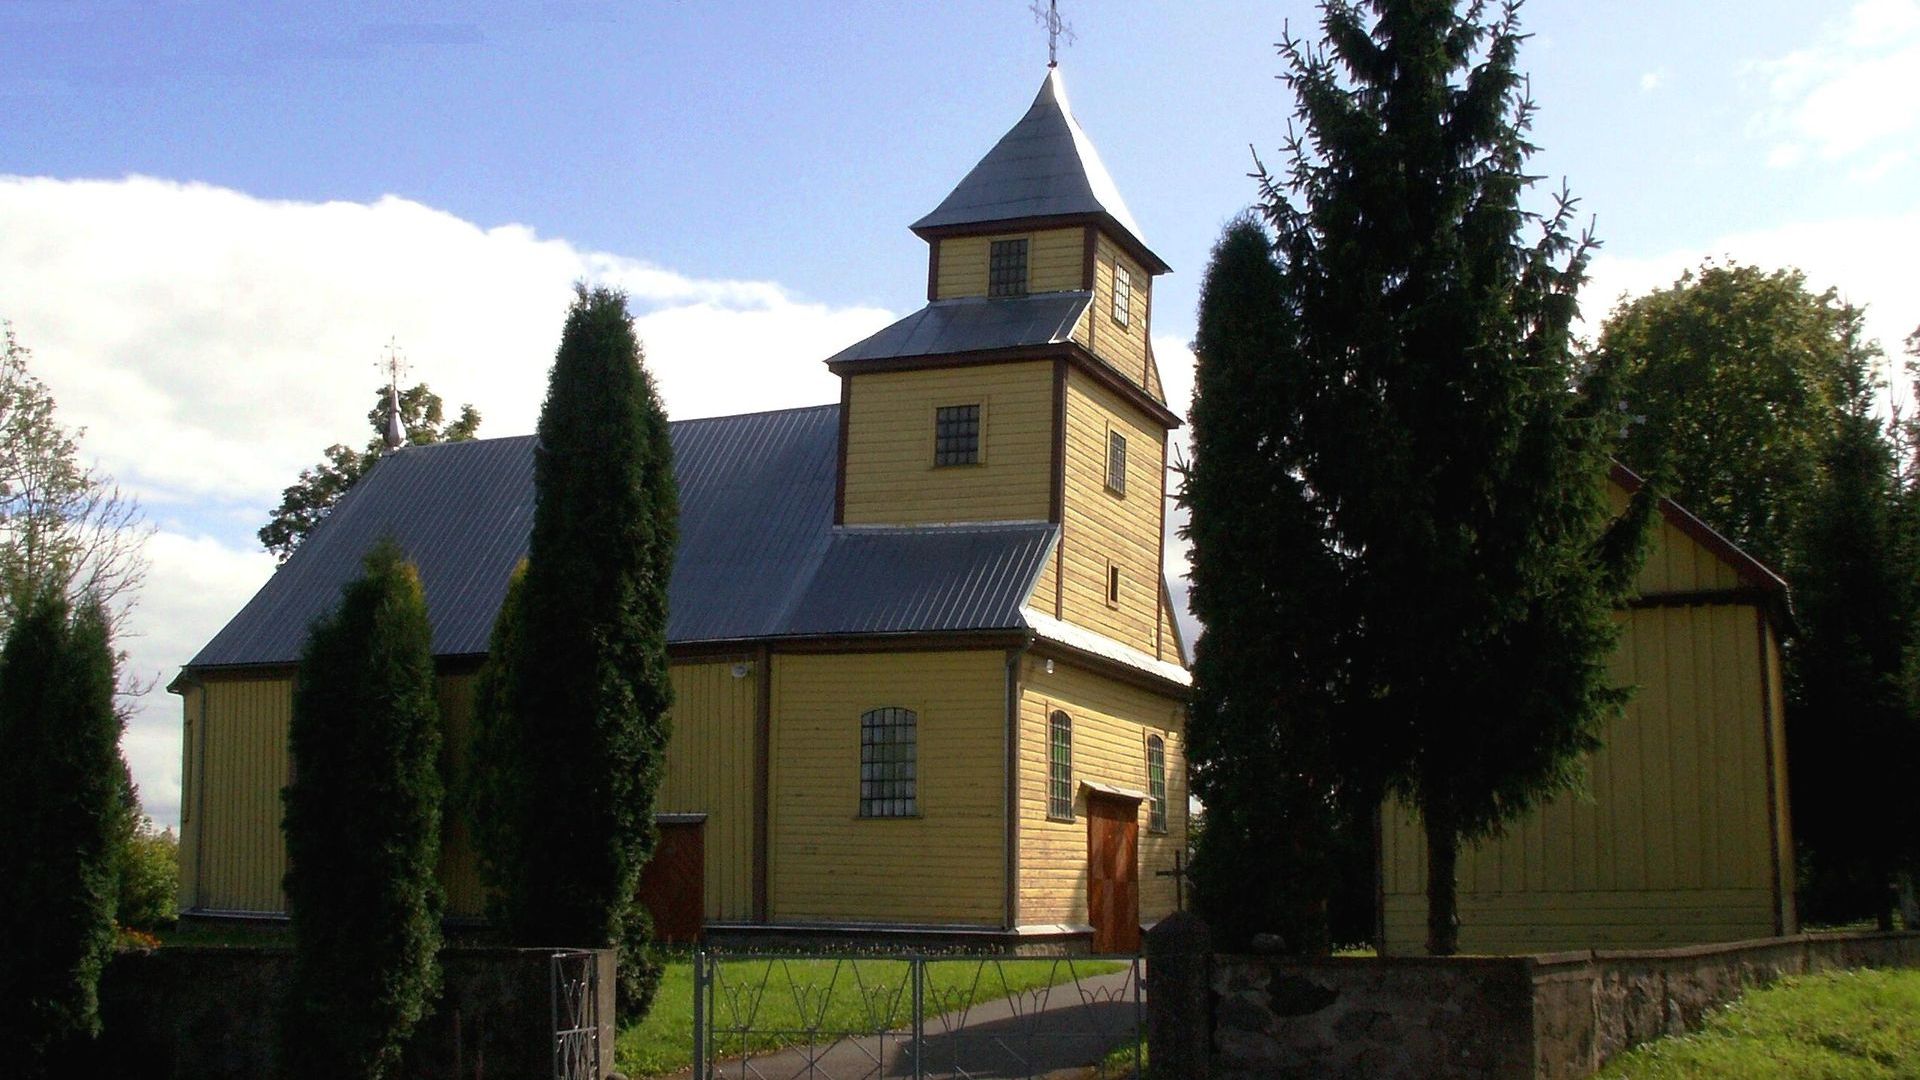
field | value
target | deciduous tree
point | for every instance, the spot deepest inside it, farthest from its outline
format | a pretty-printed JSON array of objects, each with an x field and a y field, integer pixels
[
  {"x": 1433, "y": 448},
  {"x": 1737, "y": 379},
  {"x": 363, "y": 828}
]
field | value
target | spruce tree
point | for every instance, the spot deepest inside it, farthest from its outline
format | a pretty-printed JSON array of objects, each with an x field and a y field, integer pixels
[
  {"x": 495, "y": 795},
  {"x": 1851, "y": 732},
  {"x": 589, "y": 689},
  {"x": 1435, "y": 440},
  {"x": 61, "y": 789},
  {"x": 363, "y": 829}
]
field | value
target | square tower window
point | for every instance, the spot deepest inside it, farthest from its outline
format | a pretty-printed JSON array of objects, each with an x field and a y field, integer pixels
[
  {"x": 1007, "y": 268},
  {"x": 1116, "y": 463},
  {"x": 1122, "y": 294},
  {"x": 956, "y": 435}
]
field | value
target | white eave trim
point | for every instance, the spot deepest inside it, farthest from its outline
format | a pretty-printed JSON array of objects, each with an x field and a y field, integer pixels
[{"x": 1048, "y": 628}]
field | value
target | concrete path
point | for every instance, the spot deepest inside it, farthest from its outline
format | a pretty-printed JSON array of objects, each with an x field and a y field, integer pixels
[{"x": 1053, "y": 1032}]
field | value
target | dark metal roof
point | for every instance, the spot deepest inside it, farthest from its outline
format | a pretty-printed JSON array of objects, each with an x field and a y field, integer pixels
[
  {"x": 758, "y": 556},
  {"x": 1045, "y": 166},
  {"x": 974, "y": 324}
]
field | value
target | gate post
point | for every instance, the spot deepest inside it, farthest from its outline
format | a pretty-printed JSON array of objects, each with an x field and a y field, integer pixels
[
  {"x": 919, "y": 969},
  {"x": 700, "y": 986},
  {"x": 1179, "y": 997}
]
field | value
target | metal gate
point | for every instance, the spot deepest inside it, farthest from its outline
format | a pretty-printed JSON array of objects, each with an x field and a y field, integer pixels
[
  {"x": 838, "y": 1016},
  {"x": 576, "y": 1016}
]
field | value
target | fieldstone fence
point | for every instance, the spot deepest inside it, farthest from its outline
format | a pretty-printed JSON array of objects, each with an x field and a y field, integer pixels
[
  {"x": 212, "y": 1012},
  {"x": 1558, "y": 1016}
]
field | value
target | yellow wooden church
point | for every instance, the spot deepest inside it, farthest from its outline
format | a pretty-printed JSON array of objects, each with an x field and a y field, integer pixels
[{"x": 927, "y": 676}]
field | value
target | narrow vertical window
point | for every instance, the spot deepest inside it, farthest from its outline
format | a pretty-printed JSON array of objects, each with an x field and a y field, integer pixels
[
  {"x": 956, "y": 435},
  {"x": 1007, "y": 268},
  {"x": 1116, "y": 463},
  {"x": 888, "y": 763},
  {"x": 1156, "y": 784},
  {"x": 1113, "y": 585},
  {"x": 1060, "y": 766},
  {"x": 1122, "y": 294}
]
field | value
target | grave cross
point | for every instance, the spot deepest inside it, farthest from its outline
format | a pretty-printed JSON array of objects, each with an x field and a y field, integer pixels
[{"x": 1179, "y": 876}]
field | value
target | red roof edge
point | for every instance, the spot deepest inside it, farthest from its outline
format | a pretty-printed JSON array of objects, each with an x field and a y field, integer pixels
[{"x": 1751, "y": 571}]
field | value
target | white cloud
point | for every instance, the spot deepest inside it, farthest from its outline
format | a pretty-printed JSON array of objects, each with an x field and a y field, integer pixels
[
  {"x": 1650, "y": 81},
  {"x": 212, "y": 343},
  {"x": 1855, "y": 92}
]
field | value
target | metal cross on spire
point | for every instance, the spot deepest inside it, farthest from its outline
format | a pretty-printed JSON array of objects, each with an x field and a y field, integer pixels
[
  {"x": 395, "y": 365},
  {"x": 1058, "y": 29}
]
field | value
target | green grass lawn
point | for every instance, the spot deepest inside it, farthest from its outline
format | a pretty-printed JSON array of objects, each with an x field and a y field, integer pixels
[
  {"x": 850, "y": 995},
  {"x": 1845, "y": 1025}
]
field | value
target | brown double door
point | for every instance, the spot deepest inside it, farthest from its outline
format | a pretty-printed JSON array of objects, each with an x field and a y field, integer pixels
[
  {"x": 674, "y": 883},
  {"x": 1113, "y": 873}
]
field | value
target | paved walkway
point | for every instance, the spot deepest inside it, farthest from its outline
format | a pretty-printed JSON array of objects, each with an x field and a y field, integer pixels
[{"x": 1053, "y": 1032}]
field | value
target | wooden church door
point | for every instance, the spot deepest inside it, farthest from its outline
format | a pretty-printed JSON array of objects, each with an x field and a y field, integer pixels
[
  {"x": 674, "y": 883},
  {"x": 1113, "y": 873}
]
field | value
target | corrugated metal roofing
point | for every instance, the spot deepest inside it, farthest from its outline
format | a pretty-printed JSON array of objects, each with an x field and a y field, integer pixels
[
  {"x": 1044, "y": 166},
  {"x": 974, "y": 324},
  {"x": 758, "y": 555}
]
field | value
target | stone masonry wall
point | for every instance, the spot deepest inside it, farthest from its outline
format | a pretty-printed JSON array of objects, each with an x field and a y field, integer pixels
[
  {"x": 213, "y": 1012},
  {"x": 1549, "y": 1017}
]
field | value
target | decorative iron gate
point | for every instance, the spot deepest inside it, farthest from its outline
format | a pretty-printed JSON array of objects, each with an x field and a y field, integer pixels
[
  {"x": 576, "y": 1016},
  {"x": 837, "y": 1016}
]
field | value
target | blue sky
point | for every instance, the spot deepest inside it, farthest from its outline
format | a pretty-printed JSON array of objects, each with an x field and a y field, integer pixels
[{"x": 212, "y": 215}]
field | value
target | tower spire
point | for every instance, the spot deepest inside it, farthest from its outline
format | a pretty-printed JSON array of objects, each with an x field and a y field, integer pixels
[{"x": 395, "y": 433}]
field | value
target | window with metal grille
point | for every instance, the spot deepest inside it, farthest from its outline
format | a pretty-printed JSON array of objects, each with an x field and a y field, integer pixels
[
  {"x": 1116, "y": 463},
  {"x": 888, "y": 763},
  {"x": 956, "y": 435},
  {"x": 1156, "y": 784},
  {"x": 1007, "y": 268},
  {"x": 1122, "y": 294},
  {"x": 1060, "y": 766}
]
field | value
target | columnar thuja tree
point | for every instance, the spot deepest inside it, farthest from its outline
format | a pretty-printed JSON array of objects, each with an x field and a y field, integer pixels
[
  {"x": 583, "y": 698},
  {"x": 1431, "y": 459},
  {"x": 62, "y": 796},
  {"x": 363, "y": 828}
]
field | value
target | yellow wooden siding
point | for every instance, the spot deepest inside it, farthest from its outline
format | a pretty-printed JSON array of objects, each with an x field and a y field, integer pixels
[
  {"x": 459, "y": 869},
  {"x": 1170, "y": 634},
  {"x": 1675, "y": 561},
  {"x": 1676, "y": 844},
  {"x": 891, "y": 478},
  {"x": 239, "y": 855},
  {"x": 1100, "y": 527},
  {"x": 1111, "y": 723},
  {"x": 1124, "y": 347},
  {"x": 946, "y": 866},
  {"x": 710, "y": 771},
  {"x": 1056, "y": 260}
]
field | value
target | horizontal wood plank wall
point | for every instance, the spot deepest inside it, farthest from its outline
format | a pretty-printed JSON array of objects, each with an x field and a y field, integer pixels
[
  {"x": 459, "y": 862},
  {"x": 1054, "y": 258},
  {"x": 710, "y": 771},
  {"x": 1169, "y": 633},
  {"x": 891, "y": 478},
  {"x": 1111, "y": 723},
  {"x": 1124, "y": 347},
  {"x": 1675, "y": 845},
  {"x": 241, "y": 853},
  {"x": 944, "y": 867},
  {"x": 1100, "y": 526}
]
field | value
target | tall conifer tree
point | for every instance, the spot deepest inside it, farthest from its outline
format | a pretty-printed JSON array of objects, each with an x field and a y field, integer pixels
[
  {"x": 1434, "y": 440},
  {"x": 588, "y": 689},
  {"x": 363, "y": 829},
  {"x": 1851, "y": 732},
  {"x": 62, "y": 789}
]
